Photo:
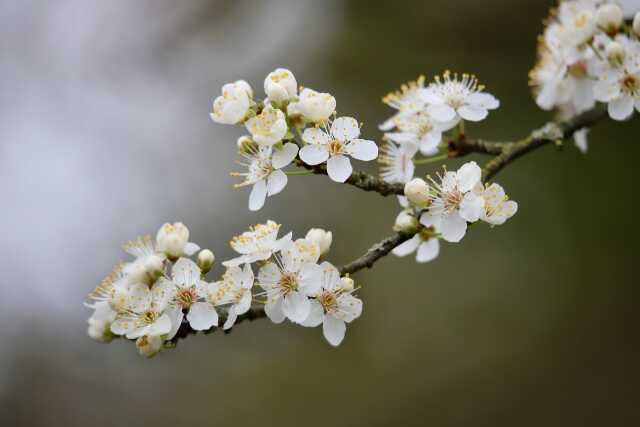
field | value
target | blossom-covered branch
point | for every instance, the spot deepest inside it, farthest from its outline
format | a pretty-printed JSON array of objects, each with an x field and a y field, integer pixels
[{"x": 587, "y": 54}]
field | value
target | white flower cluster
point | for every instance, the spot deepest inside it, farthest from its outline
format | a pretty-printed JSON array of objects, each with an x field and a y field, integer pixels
[
  {"x": 442, "y": 209},
  {"x": 149, "y": 298},
  {"x": 423, "y": 115},
  {"x": 588, "y": 54},
  {"x": 272, "y": 145}
]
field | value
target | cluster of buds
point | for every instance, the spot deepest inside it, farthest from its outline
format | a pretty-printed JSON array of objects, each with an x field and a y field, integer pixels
[{"x": 162, "y": 290}]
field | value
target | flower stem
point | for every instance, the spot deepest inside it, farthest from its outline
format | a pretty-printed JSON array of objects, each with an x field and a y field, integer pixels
[{"x": 430, "y": 160}]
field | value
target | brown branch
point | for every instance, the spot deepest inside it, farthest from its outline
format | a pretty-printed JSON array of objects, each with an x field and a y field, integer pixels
[{"x": 376, "y": 252}]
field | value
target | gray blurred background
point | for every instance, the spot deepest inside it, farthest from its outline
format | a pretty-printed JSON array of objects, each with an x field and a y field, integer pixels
[{"x": 105, "y": 135}]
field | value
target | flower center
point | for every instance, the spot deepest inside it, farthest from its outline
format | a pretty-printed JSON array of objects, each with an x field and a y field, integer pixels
[
  {"x": 150, "y": 316},
  {"x": 335, "y": 147},
  {"x": 427, "y": 233},
  {"x": 288, "y": 283},
  {"x": 186, "y": 297},
  {"x": 578, "y": 70},
  {"x": 328, "y": 301},
  {"x": 452, "y": 199},
  {"x": 630, "y": 83}
]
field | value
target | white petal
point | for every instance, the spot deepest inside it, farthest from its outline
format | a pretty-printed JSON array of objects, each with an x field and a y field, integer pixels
[
  {"x": 333, "y": 330},
  {"x": 429, "y": 143},
  {"x": 453, "y": 227},
  {"x": 276, "y": 182},
  {"x": 472, "y": 113},
  {"x": 315, "y": 136},
  {"x": 583, "y": 97},
  {"x": 232, "y": 316},
  {"x": 140, "y": 296},
  {"x": 296, "y": 306},
  {"x": 161, "y": 326},
  {"x": 258, "y": 195},
  {"x": 176, "y": 316},
  {"x": 310, "y": 278},
  {"x": 387, "y": 125},
  {"x": 402, "y": 137},
  {"x": 428, "y": 251},
  {"x": 441, "y": 113},
  {"x": 313, "y": 154},
  {"x": 316, "y": 315},
  {"x": 484, "y": 100},
  {"x": 350, "y": 306},
  {"x": 345, "y": 129},
  {"x": 282, "y": 158},
  {"x": 186, "y": 272},
  {"x": 163, "y": 292},
  {"x": 468, "y": 176},
  {"x": 430, "y": 97},
  {"x": 339, "y": 168},
  {"x": 274, "y": 311},
  {"x": 407, "y": 247},
  {"x": 606, "y": 90},
  {"x": 580, "y": 138},
  {"x": 429, "y": 220},
  {"x": 471, "y": 207},
  {"x": 362, "y": 149},
  {"x": 202, "y": 316},
  {"x": 191, "y": 248},
  {"x": 621, "y": 108}
]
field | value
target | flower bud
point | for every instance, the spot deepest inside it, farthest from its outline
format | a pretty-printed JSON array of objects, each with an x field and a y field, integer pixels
[
  {"x": 149, "y": 346},
  {"x": 205, "y": 260},
  {"x": 172, "y": 238},
  {"x": 100, "y": 330},
  {"x": 322, "y": 238},
  {"x": 232, "y": 107},
  {"x": 405, "y": 222},
  {"x": 609, "y": 17},
  {"x": 313, "y": 106},
  {"x": 347, "y": 284},
  {"x": 280, "y": 85},
  {"x": 615, "y": 53},
  {"x": 268, "y": 127},
  {"x": 636, "y": 24},
  {"x": 417, "y": 191}
]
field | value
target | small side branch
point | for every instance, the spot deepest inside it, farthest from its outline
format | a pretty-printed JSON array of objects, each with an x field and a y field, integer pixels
[{"x": 376, "y": 252}]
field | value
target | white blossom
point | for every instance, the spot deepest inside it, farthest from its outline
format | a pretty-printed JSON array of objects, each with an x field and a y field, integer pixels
[
  {"x": 173, "y": 240},
  {"x": 148, "y": 265},
  {"x": 450, "y": 99},
  {"x": 320, "y": 237},
  {"x": 233, "y": 106},
  {"x": 234, "y": 291},
  {"x": 333, "y": 306},
  {"x": 268, "y": 127},
  {"x": 257, "y": 244},
  {"x": 312, "y": 106},
  {"x": 580, "y": 138},
  {"x": 453, "y": 203},
  {"x": 290, "y": 280},
  {"x": 421, "y": 129},
  {"x": 334, "y": 145},
  {"x": 149, "y": 345},
  {"x": 396, "y": 162},
  {"x": 280, "y": 85},
  {"x": 408, "y": 100},
  {"x": 497, "y": 206},
  {"x": 264, "y": 164},
  {"x": 425, "y": 243},
  {"x": 609, "y": 17},
  {"x": 417, "y": 191},
  {"x": 206, "y": 259},
  {"x": 620, "y": 86}
]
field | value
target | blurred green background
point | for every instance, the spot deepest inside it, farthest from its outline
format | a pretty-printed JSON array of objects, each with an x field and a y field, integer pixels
[{"x": 531, "y": 323}]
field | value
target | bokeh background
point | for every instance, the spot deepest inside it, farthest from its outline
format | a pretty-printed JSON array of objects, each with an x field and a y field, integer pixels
[{"x": 105, "y": 135}]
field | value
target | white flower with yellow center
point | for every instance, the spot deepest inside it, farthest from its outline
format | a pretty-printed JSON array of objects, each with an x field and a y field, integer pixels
[
  {"x": 290, "y": 280},
  {"x": 451, "y": 99},
  {"x": 268, "y": 127},
  {"x": 233, "y": 291},
  {"x": 334, "y": 306},
  {"x": 453, "y": 202},
  {"x": 149, "y": 318},
  {"x": 148, "y": 265},
  {"x": 173, "y": 241},
  {"x": 280, "y": 85},
  {"x": 264, "y": 173},
  {"x": 396, "y": 162},
  {"x": 334, "y": 145},
  {"x": 497, "y": 206},
  {"x": 419, "y": 128},
  {"x": 312, "y": 106},
  {"x": 257, "y": 244},
  {"x": 233, "y": 105},
  {"x": 149, "y": 345},
  {"x": 425, "y": 243},
  {"x": 620, "y": 86},
  {"x": 408, "y": 100}
]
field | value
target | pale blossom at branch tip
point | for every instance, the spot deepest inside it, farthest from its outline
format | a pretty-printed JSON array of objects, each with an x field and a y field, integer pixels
[
  {"x": 280, "y": 85},
  {"x": 233, "y": 106}
]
